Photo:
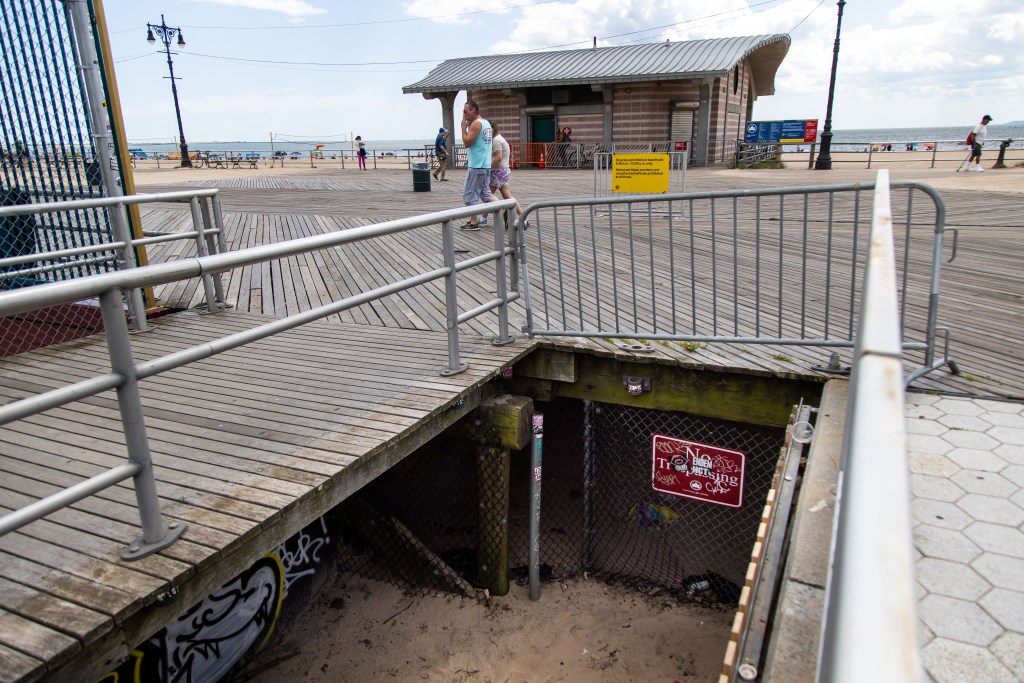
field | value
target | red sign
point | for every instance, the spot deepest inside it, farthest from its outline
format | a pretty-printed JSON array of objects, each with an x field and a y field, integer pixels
[
  {"x": 811, "y": 130},
  {"x": 679, "y": 146},
  {"x": 696, "y": 470}
]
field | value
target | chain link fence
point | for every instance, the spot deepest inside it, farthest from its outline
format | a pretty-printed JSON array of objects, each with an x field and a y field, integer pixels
[
  {"x": 47, "y": 154},
  {"x": 434, "y": 523}
]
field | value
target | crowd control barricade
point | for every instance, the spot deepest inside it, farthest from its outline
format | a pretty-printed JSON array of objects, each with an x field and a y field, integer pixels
[
  {"x": 766, "y": 266},
  {"x": 500, "y": 261}
]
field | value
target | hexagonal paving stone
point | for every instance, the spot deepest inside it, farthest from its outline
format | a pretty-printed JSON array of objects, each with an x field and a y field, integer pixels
[
  {"x": 991, "y": 509},
  {"x": 958, "y": 620},
  {"x": 918, "y": 398},
  {"x": 952, "y": 579},
  {"x": 927, "y": 412},
  {"x": 922, "y": 426},
  {"x": 988, "y": 483},
  {"x": 971, "y": 439},
  {"x": 995, "y": 538},
  {"x": 1000, "y": 570},
  {"x": 1004, "y": 419},
  {"x": 1000, "y": 406},
  {"x": 948, "y": 661},
  {"x": 1014, "y": 473},
  {"x": 1006, "y": 607},
  {"x": 935, "y": 488},
  {"x": 926, "y": 443},
  {"x": 1012, "y": 435},
  {"x": 1011, "y": 453},
  {"x": 945, "y": 544},
  {"x": 959, "y": 406},
  {"x": 1010, "y": 650},
  {"x": 965, "y": 422},
  {"x": 970, "y": 458},
  {"x": 937, "y": 465},
  {"x": 1018, "y": 499},
  {"x": 940, "y": 514}
]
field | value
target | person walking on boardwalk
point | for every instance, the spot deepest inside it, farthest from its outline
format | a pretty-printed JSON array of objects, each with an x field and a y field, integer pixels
[
  {"x": 361, "y": 152},
  {"x": 441, "y": 152},
  {"x": 977, "y": 140},
  {"x": 501, "y": 157},
  {"x": 476, "y": 136}
]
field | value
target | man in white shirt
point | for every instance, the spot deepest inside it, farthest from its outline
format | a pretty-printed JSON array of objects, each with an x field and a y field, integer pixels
[{"x": 980, "y": 132}]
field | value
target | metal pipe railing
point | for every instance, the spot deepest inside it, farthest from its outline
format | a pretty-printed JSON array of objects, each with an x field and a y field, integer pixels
[
  {"x": 126, "y": 373},
  {"x": 870, "y": 625}
]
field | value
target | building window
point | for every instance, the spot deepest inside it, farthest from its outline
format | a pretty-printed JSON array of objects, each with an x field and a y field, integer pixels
[{"x": 736, "y": 79}]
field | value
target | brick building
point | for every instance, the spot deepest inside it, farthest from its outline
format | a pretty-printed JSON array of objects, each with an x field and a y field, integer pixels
[{"x": 699, "y": 90}]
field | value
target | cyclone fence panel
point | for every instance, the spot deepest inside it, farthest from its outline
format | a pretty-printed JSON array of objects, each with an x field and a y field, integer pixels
[
  {"x": 420, "y": 524},
  {"x": 47, "y": 153}
]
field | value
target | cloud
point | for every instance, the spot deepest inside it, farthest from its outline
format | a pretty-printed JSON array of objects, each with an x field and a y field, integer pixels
[{"x": 295, "y": 9}]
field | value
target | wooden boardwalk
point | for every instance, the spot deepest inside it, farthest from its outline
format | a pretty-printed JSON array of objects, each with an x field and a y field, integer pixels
[
  {"x": 982, "y": 295},
  {"x": 250, "y": 446},
  {"x": 253, "y": 444}
]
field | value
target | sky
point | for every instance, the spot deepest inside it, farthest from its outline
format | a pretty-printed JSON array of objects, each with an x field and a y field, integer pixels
[{"x": 327, "y": 70}]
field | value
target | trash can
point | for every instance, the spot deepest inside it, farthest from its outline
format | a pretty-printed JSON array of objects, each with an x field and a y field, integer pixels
[
  {"x": 93, "y": 173},
  {"x": 17, "y": 237},
  {"x": 421, "y": 177}
]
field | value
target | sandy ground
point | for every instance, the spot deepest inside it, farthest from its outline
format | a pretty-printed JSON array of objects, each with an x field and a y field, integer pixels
[{"x": 581, "y": 631}]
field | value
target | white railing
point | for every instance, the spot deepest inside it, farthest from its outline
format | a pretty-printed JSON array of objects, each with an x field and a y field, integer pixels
[{"x": 870, "y": 625}]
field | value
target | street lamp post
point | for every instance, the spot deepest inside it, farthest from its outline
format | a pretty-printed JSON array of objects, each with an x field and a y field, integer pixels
[
  {"x": 166, "y": 35},
  {"x": 824, "y": 162}
]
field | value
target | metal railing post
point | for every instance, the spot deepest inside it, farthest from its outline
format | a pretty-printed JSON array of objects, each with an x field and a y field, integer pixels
[
  {"x": 197, "y": 222},
  {"x": 451, "y": 308},
  {"x": 155, "y": 534},
  {"x": 500, "y": 276},
  {"x": 213, "y": 245}
]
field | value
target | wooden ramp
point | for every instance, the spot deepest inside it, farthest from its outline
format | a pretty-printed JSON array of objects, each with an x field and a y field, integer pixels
[{"x": 249, "y": 447}]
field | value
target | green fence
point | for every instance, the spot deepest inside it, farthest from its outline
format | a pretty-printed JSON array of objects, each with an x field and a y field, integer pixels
[{"x": 48, "y": 145}]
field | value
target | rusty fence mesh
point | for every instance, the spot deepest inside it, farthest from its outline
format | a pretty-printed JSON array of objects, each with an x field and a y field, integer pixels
[{"x": 428, "y": 523}]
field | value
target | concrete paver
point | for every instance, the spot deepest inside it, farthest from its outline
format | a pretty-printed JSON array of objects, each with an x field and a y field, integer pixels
[{"x": 970, "y": 566}]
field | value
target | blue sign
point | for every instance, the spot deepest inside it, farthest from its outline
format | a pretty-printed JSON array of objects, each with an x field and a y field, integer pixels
[{"x": 782, "y": 131}]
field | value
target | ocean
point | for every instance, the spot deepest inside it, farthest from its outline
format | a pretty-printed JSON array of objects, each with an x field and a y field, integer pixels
[{"x": 949, "y": 137}]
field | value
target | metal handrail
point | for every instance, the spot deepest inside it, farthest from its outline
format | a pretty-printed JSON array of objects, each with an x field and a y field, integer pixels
[
  {"x": 126, "y": 373},
  {"x": 870, "y": 625},
  {"x": 665, "y": 278}
]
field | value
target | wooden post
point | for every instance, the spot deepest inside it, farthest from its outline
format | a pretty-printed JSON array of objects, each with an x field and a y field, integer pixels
[{"x": 492, "y": 539}]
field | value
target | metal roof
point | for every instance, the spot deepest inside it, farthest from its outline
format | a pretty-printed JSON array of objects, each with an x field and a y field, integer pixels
[{"x": 617, "y": 64}]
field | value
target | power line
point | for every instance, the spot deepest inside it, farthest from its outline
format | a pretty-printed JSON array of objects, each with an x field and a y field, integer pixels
[{"x": 808, "y": 14}]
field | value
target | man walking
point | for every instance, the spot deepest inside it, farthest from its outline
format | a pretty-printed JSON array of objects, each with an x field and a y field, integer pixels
[
  {"x": 978, "y": 136},
  {"x": 441, "y": 152},
  {"x": 476, "y": 136}
]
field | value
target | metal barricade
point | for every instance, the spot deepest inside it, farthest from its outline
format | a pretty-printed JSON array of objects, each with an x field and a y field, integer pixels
[
  {"x": 778, "y": 266},
  {"x": 126, "y": 373}
]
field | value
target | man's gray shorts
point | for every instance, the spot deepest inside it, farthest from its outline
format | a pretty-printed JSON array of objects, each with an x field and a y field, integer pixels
[{"x": 477, "y": 188}]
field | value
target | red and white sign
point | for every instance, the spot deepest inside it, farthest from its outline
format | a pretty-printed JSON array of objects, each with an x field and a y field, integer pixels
[
  {"x": 811, "y": 130},
  {"x": 697, "y": 470},
  {"x": 679, "y": 146}
]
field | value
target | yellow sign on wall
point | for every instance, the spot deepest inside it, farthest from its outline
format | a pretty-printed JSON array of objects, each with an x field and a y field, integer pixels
[{"x": 644, "y": 173}]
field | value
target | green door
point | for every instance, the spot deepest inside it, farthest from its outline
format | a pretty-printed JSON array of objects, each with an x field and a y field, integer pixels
[{"x": 542, "y": 128}]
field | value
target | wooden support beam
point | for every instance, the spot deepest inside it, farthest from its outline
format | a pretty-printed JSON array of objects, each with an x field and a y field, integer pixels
[
  {"x": 508, "y": 418},
  {"x": 492, "y": 526},
  {"x": 549, "y": 364}
]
